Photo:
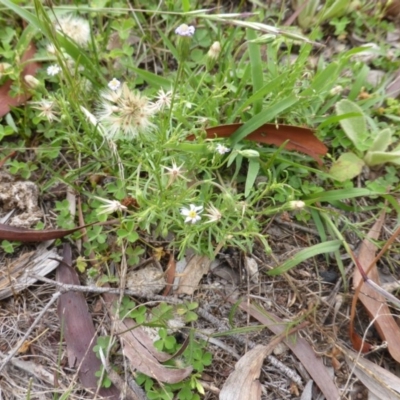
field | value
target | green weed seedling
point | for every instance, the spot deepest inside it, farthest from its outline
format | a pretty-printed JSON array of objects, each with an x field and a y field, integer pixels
[
  {"x": 194, "y": 355},
  {"x": 313, "y": 13},
  {"x": 370, "y": 144}
]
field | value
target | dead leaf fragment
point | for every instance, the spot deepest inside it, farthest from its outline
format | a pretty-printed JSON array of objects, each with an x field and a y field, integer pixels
[
  {"x": 191, "y": 276},
  {"x": 18, "y": 275},
  {"x": 79, "y": 332},
  {"x": 243, "y": 383},
  {"x": 300, "y": 347},
  {"x": 147, "y": 281},
  {"x": 376, "y": 379},
  {"x": 299, "y": 139},
  {"x": 374, "y": 302},
  {"x": 139, "y": 349},
  {"x": 252, "y": 269}
]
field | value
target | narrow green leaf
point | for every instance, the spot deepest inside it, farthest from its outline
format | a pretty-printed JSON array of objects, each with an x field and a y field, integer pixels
[
  {"x": 256, "y": 68},
  {"x": 188, "y": 147},
  {"x": 262, "y": 118},
  {"x": 25, "y": 15},
  {"x": 338, "y": 195},
  {"x": 153, "y": 79},
  {"x": 335, "y": 9},
  {"x": 321, "y": 248},
  {"x": 323, "y": 80},
  {"x": 267, "y": 89},
  {"x": 254, "y": 167},
  {"x": 185, "y": 6}
]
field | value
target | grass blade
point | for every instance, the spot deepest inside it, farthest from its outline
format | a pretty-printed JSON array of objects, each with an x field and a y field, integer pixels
[{"x": 321, "y": 248}]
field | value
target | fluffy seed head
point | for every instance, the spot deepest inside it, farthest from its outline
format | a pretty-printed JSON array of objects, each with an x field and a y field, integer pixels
[
  {"x": 124, "y": 114},
  {"x": 76, "y": 28}
]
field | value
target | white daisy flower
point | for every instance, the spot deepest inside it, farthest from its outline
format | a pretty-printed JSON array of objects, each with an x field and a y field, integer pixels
[
  {"x": 114, "y": 84},
  {"x": 185, "y": 30},
  {"x": 192, "y": 213},
  {"x": 221, "y": 149},
  {"x": 53, "y": 70}
]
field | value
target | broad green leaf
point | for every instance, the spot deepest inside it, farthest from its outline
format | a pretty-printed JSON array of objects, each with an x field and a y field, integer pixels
[
  {"x": 347, "y": 166},
  {"x": 355, "y": 128},
  {"x": 373, "y": 158},
  {"x": 262, "y": 118},
  {"x": 254, "y": 167},
  {"x": 382, "y": 140},
  {"x": 321, "y": 248}
]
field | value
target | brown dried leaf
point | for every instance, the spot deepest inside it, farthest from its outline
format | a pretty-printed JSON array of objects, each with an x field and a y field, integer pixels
[
  {"x": 303, "y": 351},
  {"x": 8, "y": 232},
  {"x": 79, "y": 331},
  {"x": 243, "y": 383},
  {"x": 6, "y": 101},
  {"x": 376, "y": 379},
  {"x": 19, "y": 274},
  {"x": 191, "y": 276},
  {"x": 393, "y": 89},
  {"x": 374, "y": 302},
  {"x": 299, "y": 139},
  {"x": 139, "y": 349},
  {"x": 170, "y": 275}
]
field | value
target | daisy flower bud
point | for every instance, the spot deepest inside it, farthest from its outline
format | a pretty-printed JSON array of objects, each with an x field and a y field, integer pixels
[
  {"x": 296, "y": 204},
  {"x": 3, "y": 68},
  {"x": 249, "y": 153},
  {"x": 214, "y": 51},
  {"x": 336, "y": 90},
  {"x": 31, "y": 81},
  {"x": 213, "y": 55}
]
